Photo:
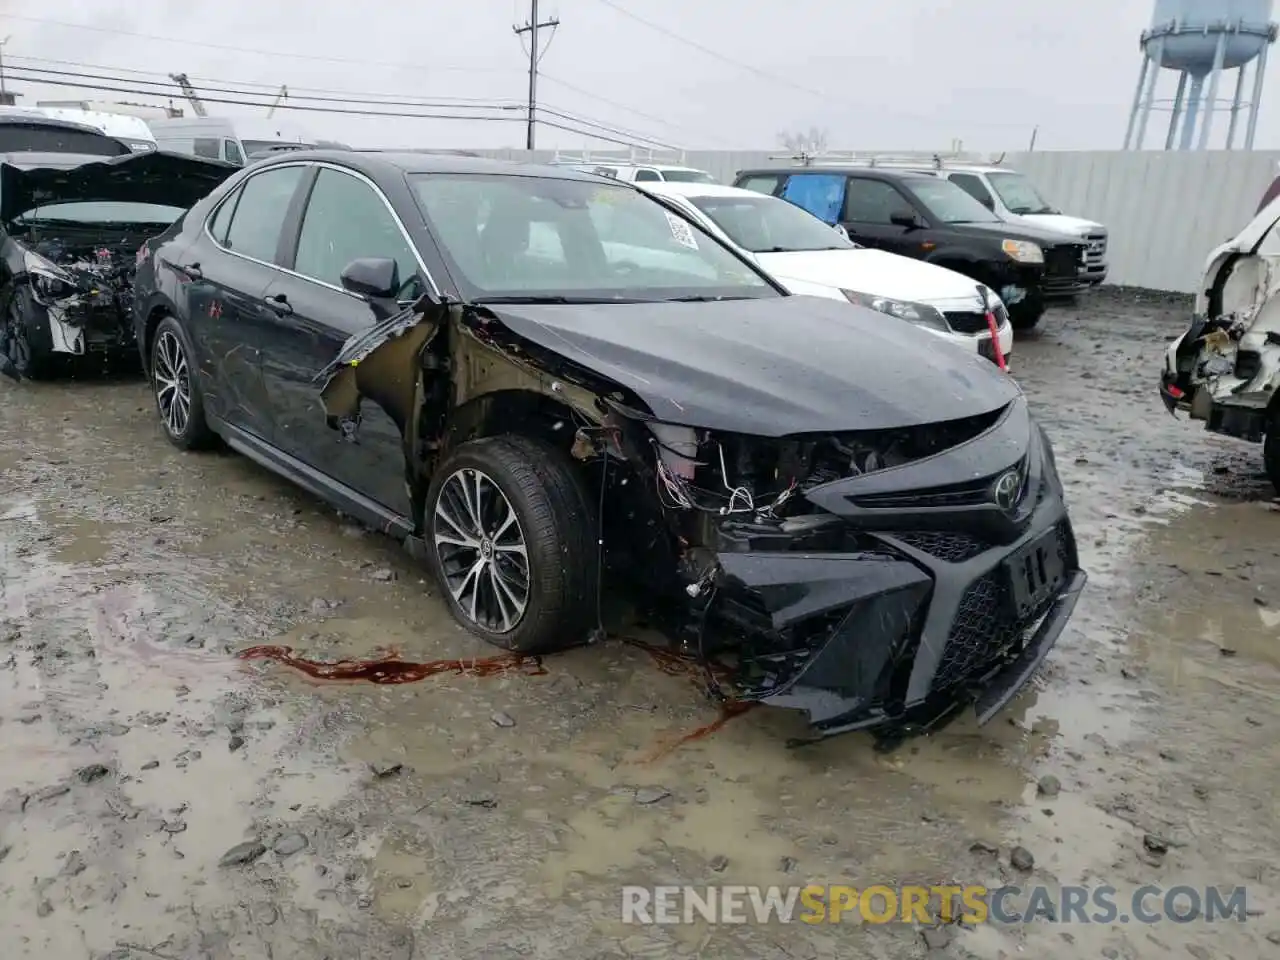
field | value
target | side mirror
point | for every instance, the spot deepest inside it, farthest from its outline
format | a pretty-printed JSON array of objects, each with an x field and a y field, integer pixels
[
  {"x": 904, "y": 218},
  {"x": 377, "y": 278}
]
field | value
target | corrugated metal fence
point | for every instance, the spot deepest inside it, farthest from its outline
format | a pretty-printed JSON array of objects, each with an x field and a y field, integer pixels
[{"x": 1165, "y": 211}]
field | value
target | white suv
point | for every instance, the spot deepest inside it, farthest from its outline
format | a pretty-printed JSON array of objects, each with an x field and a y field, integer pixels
[{"x": 646, "y": 173}]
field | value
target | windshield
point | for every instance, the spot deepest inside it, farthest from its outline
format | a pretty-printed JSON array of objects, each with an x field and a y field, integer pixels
[
  {"x": 769, "y": 225},
  {"x": 19, "y": 138},
  {"x": 105, "y": 211},
  {"x": 687, "y": 176},
  {"x": 1019, "y": 194},
  {"x": 947, "y": 202},
  {"x": 536, "y": 238}
]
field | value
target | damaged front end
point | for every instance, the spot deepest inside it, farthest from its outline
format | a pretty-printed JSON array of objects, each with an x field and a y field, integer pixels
[
  {"x": 1225, "y": 369},
  {"x": 83, "y": 295},
  {"x": 845, "y": 577},
  {"x": 877, "y": 578}
]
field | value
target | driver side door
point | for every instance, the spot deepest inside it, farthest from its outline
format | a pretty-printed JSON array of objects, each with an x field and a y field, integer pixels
[
  {"x": 346, "y": 217},
  {"x": 869, "y": 208}
]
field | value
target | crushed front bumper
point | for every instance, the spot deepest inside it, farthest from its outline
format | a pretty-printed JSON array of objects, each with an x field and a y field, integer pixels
[{"x": 907, "y": 624}]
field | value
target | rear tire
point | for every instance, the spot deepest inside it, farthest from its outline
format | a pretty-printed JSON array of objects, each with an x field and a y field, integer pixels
[
  {"x": 511, "y": 536},
  {"x": 26, "y": 348},
  {"x": 176, "y": 389},
  {"x": 1271, "y": 450}
]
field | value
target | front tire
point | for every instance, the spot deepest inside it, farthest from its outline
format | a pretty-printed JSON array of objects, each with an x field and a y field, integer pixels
[
  {"x": 26, "y": 347},
  {"x": 177, "y": 393},
  {"x": 511, "y": 537},
  {"x": 1025, "y": 315}
]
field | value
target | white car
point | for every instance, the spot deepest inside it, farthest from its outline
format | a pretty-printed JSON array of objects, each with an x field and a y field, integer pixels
[
  {"x": 808, "y": 257},
  {"x": 1225, "y": 369}
]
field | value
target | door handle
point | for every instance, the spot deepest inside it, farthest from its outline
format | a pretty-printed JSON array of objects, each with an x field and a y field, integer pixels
[
  {"x": 191, "y": 271},
  {"x": 279, "y": 304}
]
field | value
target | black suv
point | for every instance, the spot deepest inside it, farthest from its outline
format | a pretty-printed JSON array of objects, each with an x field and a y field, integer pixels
[{"x": 920, "y": 216}]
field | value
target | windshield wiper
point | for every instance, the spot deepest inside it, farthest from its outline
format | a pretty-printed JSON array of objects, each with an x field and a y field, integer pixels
[
  {"x": 703, "y": 299},
  {"x": 553, "y": 298},
  {"x": 797, "y": 249}
]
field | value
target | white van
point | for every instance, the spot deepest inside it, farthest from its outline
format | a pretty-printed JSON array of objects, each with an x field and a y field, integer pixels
[
  {"x": 133, "y": 132},
  {"x": 233, "y": 139}
]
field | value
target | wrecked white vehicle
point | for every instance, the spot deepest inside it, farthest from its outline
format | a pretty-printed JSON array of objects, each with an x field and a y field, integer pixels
[
  {"x": 1225, "y": 370},
  {"x": 70, "y": 229}
]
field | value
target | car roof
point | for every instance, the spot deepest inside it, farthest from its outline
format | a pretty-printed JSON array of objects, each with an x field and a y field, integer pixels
[
  {"x": 684, "y": 189},
  {"x": 373, "y": 163},
  {"x": 847, "y": 169},
  {"x": 40, "y": 120}
]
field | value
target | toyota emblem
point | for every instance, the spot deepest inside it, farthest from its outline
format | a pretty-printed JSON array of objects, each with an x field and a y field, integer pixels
[{"x": 1008, "y": 489}]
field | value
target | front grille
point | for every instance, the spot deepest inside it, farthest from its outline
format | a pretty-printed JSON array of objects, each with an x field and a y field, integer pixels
[
  {"x": 965, "y": 321},
  {"x": 1063, "y": 261},
  {"x": 1095, "y": 253},
  {"x": 951, "y": 547},
  {"x": 985, "y": 627}
]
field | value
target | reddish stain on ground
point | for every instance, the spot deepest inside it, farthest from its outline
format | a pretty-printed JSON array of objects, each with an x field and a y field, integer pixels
[
  {"x": 390, "y": 668},
  {"x": 676, "y": 664},
  {"x": 728, "y": 710}
]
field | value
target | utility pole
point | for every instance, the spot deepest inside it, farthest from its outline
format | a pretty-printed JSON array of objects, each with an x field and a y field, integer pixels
[
  {"x": 531, "y": 27},
  {"x": 4, "y": 94}
]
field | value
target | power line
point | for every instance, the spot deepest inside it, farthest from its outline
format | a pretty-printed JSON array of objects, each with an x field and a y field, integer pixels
[
  {"x": 715, "y": 54},
  {"x": 622, "y": 106},
  {"x": 351, "y": 100},
  {"x": 133, "y": 91},
  {"x": 531, "y": 27},
  {"x": 274, "y": 54}
]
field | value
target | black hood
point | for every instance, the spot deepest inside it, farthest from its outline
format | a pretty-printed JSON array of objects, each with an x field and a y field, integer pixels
[
  {"x": 1015, "y": 231},
  {"x": 771, "y": 367},
  {"x": 155, "y": 177}
]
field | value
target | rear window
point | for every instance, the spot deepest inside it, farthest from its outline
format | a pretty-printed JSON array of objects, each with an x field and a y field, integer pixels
[{"x": 19, "y": 138}]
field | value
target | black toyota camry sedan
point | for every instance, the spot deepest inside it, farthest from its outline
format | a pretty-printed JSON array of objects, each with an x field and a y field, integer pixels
[{"x": 537, "y": 378}]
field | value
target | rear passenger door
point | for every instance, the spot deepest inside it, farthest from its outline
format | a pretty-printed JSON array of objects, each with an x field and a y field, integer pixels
[
  {"x": 229, "y": 268},
  {"x": 346, "y": 217}
]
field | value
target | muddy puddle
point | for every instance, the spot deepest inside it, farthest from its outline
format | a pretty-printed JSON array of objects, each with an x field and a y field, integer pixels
[{"x": 235, "y": 725}]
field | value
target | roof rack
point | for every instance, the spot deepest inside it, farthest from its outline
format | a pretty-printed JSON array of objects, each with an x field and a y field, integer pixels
[
  {"x": 630, "y": 157},
  {"x": 935, "y": 160}
]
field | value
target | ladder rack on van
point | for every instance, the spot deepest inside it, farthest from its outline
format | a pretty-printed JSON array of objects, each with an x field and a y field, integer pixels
[
  {"x": 635, "y": 156},
  {"x": 938, "y": 161}
]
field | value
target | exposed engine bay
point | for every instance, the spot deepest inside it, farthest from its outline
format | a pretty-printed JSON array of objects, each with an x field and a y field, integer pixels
[{"x": 89, "y": 296}]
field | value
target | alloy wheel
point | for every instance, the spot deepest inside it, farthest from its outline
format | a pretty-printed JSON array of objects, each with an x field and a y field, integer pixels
[
  {"x": 173, "y": 383},
  {"x": 482, "y": 551}
]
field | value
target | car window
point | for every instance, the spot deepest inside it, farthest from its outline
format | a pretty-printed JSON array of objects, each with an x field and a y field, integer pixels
[
  {"x": 687, "y": 176},
  {"x": 872, "y": 201},
  {"x": 647, "y": 175},
  {"x": 259, "y": 216},
  {"x": 531, "y": 236},
  {"x": 822, "y": 194},
  {"x": 206, "y": 147},
  {"x": 769, "y": 225},
  {"x": 19, "y": 137},
  {"x": 1018, "y": 193},
  {"x": 947, "y": 203},
  {"x": 231, "y": 152},
  {"x": 346, "y": 220},
  {"x": 765, "y": 184},
  {"x": 221, "y": 218},
  {"x": 972, "y": 184}
]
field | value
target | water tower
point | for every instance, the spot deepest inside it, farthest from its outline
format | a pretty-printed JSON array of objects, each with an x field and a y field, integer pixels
[{"x": 1200, "y": 39}]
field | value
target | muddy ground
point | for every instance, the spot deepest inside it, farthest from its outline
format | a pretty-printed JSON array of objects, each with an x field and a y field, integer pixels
[{"x": 498, "y": 817}]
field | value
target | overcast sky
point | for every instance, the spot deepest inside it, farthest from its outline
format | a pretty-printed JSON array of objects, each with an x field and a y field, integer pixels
[{"x": 905, "y": 74}]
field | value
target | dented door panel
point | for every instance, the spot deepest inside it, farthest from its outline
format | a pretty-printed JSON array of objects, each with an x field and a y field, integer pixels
[{"x": 364, "y": 451}]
